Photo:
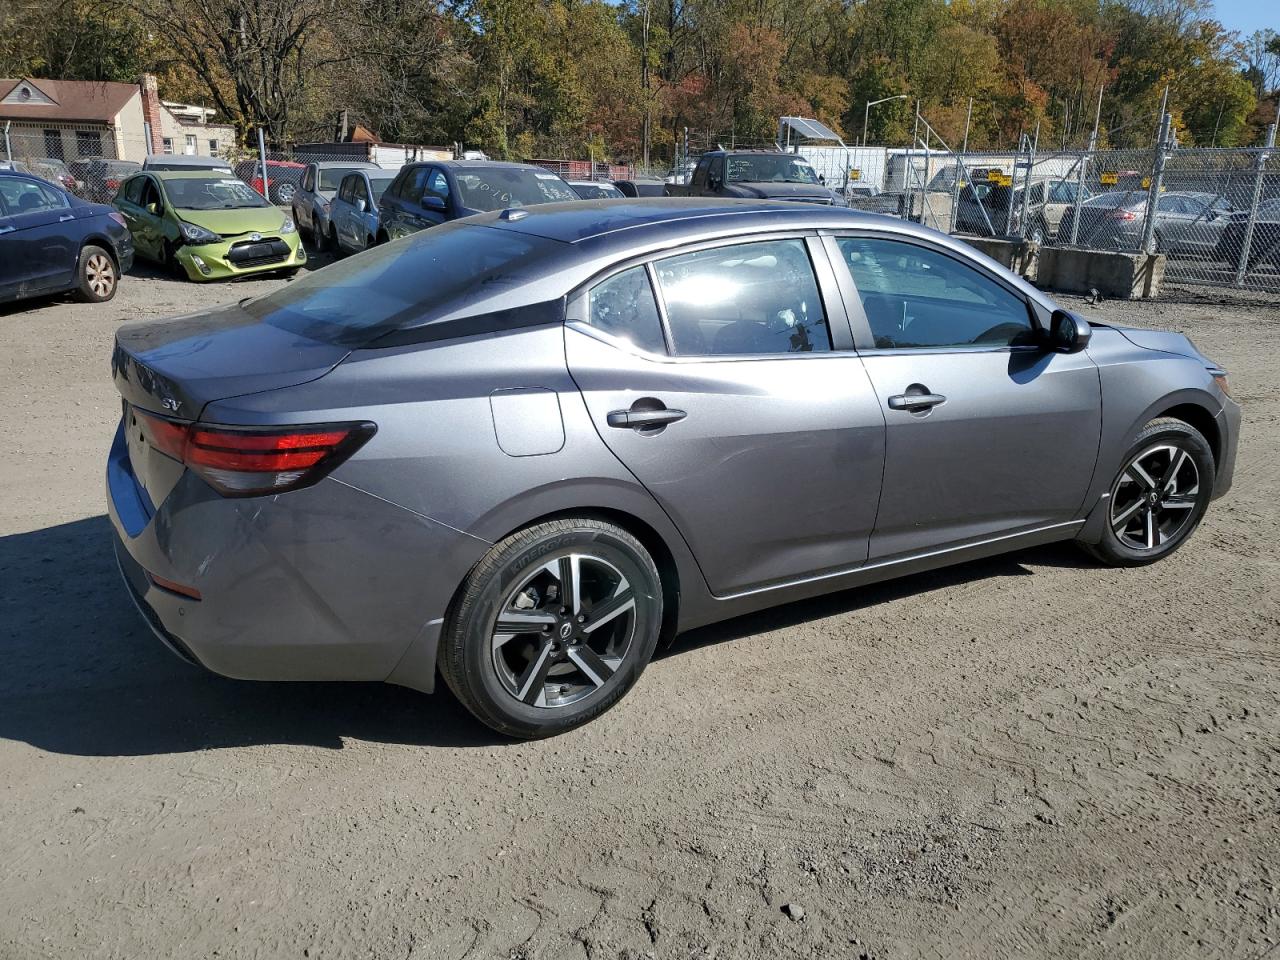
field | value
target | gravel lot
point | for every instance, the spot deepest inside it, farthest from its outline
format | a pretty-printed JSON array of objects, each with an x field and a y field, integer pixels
[{"x": 1023, "y": 757}]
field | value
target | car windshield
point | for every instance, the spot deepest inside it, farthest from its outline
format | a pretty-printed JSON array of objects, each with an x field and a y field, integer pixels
[
  {"x": 496, "y": 188},
  {"x": 355, "y": 301},
  {"x": 331, "y": 177},
  {"x": 379, "y": 185},
  {"x": 771, "y": 169},
  {"x": 212, "y": 193}
]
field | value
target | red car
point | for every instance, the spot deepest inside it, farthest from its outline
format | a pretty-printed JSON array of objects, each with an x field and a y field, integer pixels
[{"x": 283, "y": 177}]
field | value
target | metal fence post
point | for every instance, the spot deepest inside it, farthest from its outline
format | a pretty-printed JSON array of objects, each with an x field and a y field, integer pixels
[
  {"x": 1260, "y": 174},
  {"x": 1084, "y": 167},
  {"x": 955, "y": 186},
  {"x": 1026, "y": 186},
  {"x": 1157, "y": 175},
  {"x": 262, "y": 162}
]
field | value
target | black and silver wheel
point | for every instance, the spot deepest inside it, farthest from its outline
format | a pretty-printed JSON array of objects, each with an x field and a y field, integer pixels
[
  {"x": 1159, "y": 496},
  {"x": 552, "y": 627},
  {"x": 284, "y": 193},
  {"x": 96, "y": 275}
]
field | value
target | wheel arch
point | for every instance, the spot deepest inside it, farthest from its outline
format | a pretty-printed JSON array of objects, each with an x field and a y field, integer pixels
[{"x": 1200, "y": 417}]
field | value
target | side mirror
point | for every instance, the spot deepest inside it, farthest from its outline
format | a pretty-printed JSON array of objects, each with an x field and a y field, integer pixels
[
  {"x": 153, "y": 209},
  {"x": 431, "y": 202},
  {"x": 822, "y": 179},
  {"x": 360, "y": 205},
  {"x": 1067, "y": 332}
]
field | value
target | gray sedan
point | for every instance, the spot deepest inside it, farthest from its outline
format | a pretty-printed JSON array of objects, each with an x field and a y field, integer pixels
[{"x": 525, "y": 449}]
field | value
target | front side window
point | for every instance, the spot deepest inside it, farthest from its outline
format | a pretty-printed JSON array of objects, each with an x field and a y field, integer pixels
[
  {"x": 918, "y": 299},
  {"x": 438, "y": 185},
  {"x": 749, "y": 298},
  {"x": 414, "y": 184},
  {"x": 347, "y": 191},
  {"x": 20, "y": 196},
  {"x": 132, "y": 189},
  {"x": 623, "y": 307}
]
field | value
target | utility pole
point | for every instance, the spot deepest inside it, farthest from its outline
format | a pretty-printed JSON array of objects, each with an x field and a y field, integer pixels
[
  {"x": 1084, "y": 165},
  {"x": 1157, "y": 175}
]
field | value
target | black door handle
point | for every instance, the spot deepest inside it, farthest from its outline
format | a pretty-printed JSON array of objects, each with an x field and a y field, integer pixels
[
  {"x": 642, "y": 418},
  {"x": 916, "y": 401}
]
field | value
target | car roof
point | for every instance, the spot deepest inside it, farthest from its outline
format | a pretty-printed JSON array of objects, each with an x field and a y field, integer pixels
[
  {"x": 186, "y": 159},
  {"x": 330, "y": 164},
  {"x": 645, "y": 218}
]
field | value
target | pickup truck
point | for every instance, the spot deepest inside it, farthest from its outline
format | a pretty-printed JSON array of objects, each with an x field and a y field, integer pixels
[{"x": 755, "y": 175}]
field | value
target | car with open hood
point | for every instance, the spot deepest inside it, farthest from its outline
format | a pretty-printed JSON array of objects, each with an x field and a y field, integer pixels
[{"x": 206, "y": 225}]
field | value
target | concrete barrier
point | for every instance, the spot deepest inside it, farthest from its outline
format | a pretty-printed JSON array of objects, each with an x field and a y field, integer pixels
[
  {"x": 1119, "y": 276},
  {"x": 1020, "y": 256}
]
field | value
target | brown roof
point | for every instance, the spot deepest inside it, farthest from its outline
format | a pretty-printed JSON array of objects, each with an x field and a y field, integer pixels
[{"x": 90, "y": 100}]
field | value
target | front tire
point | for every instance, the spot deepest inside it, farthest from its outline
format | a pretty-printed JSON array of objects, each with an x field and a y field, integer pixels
[
  {"x": 1159, "y": 496},
  {"x": 97, "y": 277},
  {"x": 552, "y": 627}
]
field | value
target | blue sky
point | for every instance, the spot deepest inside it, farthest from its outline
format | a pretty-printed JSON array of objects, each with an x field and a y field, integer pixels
[{"x": 1248, "y": 15}]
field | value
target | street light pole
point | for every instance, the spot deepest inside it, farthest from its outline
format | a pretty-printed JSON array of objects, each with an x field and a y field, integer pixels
[{"x": 866, "y": 114}]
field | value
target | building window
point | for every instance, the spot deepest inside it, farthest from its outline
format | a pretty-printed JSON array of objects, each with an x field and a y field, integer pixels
[
  {"x": 167, "y": 144},
  {"x": 213, "y": 147},
  {"x": 88, "y": 143},
  {"x": 191, "y": 143},
  {"x": 53, "y": 144}
]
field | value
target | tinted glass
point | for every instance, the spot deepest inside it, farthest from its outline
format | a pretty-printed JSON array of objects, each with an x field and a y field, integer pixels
[
  {"x": 497, "y": 188},
  {"x": 212, "y": 193},
  {"x": 379, "y": 185},
  {"x": 597, "y": 191},
  {"x": 749, "y": 298},
  {"x": 623, "y": 307},
  {"x": 347, "y": 191},
  {"x": 916, "y": 298},
  {"x": 392, "y": 286},
  {"x": 415, "y": 182},
  {"x": 438, "y": 184},
  {"x": 132, "y": 189},
  {"x": 769, "y": 167}
]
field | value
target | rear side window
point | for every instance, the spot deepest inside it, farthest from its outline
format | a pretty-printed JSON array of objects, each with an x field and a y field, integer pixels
[
  {"x": 749, "y": 298},
  {"x": 916, "y": 298},
  {"x": 623, "y": 307},
  {"x": 399, "y": 285}
]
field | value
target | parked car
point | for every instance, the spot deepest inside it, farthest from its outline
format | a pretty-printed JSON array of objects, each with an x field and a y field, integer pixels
[
  {"x": 53, "y": 170},
  {"x": 487, "y": 450},
  {"x": 205, "y": 226},
  {"x": 51, "y": 241},
  {"x": 1186, "y": 222},
  {"x": 1264, "y": 247},
  {"x": 186, "y": 161},
  {"x": 595, "y": 190},
  {"x": 427, "y": 194},
  {"x": 311, "y": 199},
  {"x": 100, "y": 178},
  {"x": 1048, "y": 202},
  {"x": 353, "y": 214},
  {"x": 756, "y": 175},
  {"x": 641, "y": 188},
  {"x": 283, "y": 178}
]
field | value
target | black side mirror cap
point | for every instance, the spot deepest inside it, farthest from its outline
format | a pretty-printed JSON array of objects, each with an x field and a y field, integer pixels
[
  {"x": 431, "y": 202},
  {"x": 1067, "y": 332}
]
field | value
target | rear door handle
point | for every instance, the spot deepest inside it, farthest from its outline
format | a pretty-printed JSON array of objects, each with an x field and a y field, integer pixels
[
  {"x": 916, "y": 401},
  {"x": 639, "y": 419},
  {"x": 65, "y": 217}
]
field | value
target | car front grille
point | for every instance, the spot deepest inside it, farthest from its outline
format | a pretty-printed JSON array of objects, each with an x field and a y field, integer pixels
[{"x": 258, "y": 253}]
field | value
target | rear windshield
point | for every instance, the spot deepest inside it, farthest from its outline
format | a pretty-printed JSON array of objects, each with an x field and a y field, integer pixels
[
  {"x": 767, "y": 168},
  {"x": 597, "y": 191},
  {"x": 353, "y": 302},
  {"x": 496, "y": 188},
  {"x": 331, "y": 177},
  {"x": 212, "y": 193}
]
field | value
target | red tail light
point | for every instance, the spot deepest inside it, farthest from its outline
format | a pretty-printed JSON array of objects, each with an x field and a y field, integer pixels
[
  {"x": 246, "y": 462},
  {"x": 1123, "y": 215}
]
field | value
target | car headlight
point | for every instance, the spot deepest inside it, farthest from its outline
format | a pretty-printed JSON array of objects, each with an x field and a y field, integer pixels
[
  {"x": 198, "y": 235},
  {"x": 287, "y": 226}
]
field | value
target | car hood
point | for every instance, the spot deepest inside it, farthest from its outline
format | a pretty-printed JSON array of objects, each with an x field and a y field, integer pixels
[
  {"x": 228, "y": 223},
  {"x": 766, "y": 190},
  {"x": 1165, "y": 341},
  {"x": 179, "y": 366}
]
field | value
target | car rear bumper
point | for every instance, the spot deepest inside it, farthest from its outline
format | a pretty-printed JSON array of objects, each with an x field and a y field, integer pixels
[
  {"x": 217, "y": 261},
  {"x": 324, "y": 583}
]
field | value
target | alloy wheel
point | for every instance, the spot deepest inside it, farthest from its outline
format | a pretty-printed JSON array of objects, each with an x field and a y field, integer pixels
[
  {"x": 1155, "y": 497},
  {"x": 563, "y": 631},
  {"x": 100, "y": 274}
]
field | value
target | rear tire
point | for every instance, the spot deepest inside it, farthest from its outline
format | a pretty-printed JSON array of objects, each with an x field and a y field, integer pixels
[
  {"x": 97, "y": 277},
  {"x": 552, "y": 627},
  {"x": 1159, "y": 496},
  {"x": 318, "y": 236}
]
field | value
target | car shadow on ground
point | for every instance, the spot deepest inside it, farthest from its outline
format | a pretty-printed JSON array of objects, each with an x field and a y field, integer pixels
[{"x": 83, "y": 675}]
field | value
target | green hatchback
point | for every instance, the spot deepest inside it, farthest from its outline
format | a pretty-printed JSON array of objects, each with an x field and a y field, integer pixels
[{"x": 206, "y": 225}]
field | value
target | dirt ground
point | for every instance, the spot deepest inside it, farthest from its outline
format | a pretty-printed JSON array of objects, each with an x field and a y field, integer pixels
[{"x": 1024, "y": 757}]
